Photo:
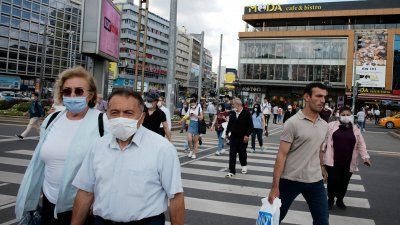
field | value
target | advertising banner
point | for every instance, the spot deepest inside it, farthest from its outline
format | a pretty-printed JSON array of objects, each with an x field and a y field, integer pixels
[
  {"x": 371, "y": 58},
  {"x": 109, "y": 30},
  {"x": 10, "y": 83},
  {"x": 195, "y": 70}
]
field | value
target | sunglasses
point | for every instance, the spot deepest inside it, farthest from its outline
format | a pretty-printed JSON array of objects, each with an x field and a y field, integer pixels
[{"x": 68, "y": 91}]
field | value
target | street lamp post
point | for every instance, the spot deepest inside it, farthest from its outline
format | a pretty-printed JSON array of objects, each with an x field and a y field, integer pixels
[{"x": 45, "y": 33}]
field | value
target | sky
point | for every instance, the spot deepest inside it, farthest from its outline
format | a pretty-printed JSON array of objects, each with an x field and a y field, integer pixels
[{"x": 216, "y": 17}]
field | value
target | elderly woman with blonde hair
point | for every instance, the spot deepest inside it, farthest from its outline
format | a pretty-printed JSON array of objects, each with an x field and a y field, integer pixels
[{"x": 64, "y": 140}]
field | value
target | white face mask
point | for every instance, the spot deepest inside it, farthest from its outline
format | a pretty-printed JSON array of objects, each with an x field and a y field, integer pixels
[
  {"x": 337, "y": 114},
  {"x": 255, "y": 109},
  {"x": 148, "y": 105},
  {"x": 159, "y": 104},
  {"x": 123, "y": 128},
  {"x": 346, "y": 119}
]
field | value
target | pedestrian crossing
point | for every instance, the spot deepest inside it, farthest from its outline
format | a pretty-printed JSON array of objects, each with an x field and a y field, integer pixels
[{"x": 209, "y": 196}]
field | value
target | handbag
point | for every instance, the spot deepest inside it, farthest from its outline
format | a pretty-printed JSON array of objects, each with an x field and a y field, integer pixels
[
  {"x": 32, "y": 218},
  {"x": 202, "y": 125}
]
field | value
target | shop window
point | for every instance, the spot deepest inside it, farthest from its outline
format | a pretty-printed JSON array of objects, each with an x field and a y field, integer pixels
[{"x": 278, "y": 72}]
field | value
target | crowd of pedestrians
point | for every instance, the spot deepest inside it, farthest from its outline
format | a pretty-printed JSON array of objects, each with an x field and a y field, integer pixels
[{"x": 97, "y": 162}]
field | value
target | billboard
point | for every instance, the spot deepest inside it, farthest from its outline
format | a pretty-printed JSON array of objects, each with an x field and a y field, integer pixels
[
  {"x": 195, "y": 70},
  {"x": 109, "y": 30},
  {"x": 371, "y": 58},
  {"x": 10, "y": 83},
  {"x": 101, "y": 29}
]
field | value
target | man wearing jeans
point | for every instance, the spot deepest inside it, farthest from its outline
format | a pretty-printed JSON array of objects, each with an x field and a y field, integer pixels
[
  {"x": 35, "y": 112},
  {"x": 298, "y": 167}
]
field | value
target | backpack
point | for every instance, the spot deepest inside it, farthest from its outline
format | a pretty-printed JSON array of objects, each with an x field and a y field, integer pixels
[{"x": 99, "y": 120}]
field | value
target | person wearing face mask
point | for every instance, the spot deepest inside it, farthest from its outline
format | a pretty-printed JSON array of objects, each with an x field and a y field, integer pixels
[
  {"x": 154, "y": 117},
  {"x": 183, "y": 112},
  {"x": 259, "y": 124},
  {"x": 289, "y": 113},
  {"x": 195, "y": 114},
  {"x": 64, "y": 141},
  {"x": 326, "y": 113},
  {"x": 222, "y": 117},
  {"x": 344, "y": 143},
  {"x": 161, "y": 105},
  {"x": 35, "y": 112},
  {"x": 130, "y": 175}
]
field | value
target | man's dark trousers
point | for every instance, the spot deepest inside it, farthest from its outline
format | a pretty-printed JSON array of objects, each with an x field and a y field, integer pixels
[
  {"x": 313, "y": 193},
  {"x": 237, "y": 146}
]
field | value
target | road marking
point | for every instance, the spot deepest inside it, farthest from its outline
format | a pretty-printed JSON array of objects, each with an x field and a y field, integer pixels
[
  {"x": 9, "y": 177},
  {"x": 264, "y": 161},
  {"x": 258, "y": 192},
  {"x": 10, "y": 222},
  {"x": 22, "y": 152},
  {"x": 385, "y": 152},
  {"x": 6, "y": 199},
  {"x": 14, "y": 161},
  {"x": 7, "y": 206},
  {"x": 17, "y": 139},
  {"x": 4, "y": 184},
  {"x": 251, "y": 212}
]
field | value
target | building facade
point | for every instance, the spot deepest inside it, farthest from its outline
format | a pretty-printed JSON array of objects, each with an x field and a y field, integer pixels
[
  {"x": 157, "y": 48},
  {"x": 284, "y": 47},
  {"x": 183, "y": 52},
  {"x": 22, "y": 25}
]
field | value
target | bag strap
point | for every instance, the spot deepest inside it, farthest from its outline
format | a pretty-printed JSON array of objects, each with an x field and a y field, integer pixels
[
  {"x": 101, "y": 124},
  {"x": 52, "y": 118}
]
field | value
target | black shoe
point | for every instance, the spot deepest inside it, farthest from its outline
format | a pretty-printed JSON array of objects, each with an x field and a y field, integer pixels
[
  {"x": 181, "y": 131},
  {"x": 340, "y": 204},
  {"x": 330, "y": 203},
  {"x": 200, "y": 141},
  {"x": 19, "y": 136}
]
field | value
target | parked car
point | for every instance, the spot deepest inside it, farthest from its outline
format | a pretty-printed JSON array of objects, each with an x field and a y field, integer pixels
[
  {"x": 390, "y": 122},
  {"x": 7, "y": 95}
]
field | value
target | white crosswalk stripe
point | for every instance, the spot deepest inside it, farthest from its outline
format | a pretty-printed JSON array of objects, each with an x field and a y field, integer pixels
[{"x": 207, "y": 175}]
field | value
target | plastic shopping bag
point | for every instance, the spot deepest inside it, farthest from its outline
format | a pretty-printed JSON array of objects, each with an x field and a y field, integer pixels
[
  {"x": 269, "y": 214},
  {"x": 224, "y": 125}
]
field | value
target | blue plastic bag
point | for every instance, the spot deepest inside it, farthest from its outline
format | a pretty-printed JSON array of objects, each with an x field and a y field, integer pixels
[
  {"x": 269, "y": 214},
  {"x": 32, "y": 218}
]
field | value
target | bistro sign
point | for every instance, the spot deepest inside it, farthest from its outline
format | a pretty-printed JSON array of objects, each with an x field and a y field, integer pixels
[
  {"x": 373, "y": 91},
  {"x": 264, "y": 8}
]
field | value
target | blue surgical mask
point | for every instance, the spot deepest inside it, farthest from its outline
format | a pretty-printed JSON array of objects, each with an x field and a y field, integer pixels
[{"x": 75, "y": 104}]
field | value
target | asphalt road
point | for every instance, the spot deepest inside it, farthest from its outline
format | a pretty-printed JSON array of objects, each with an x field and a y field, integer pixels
[{"x": 373, "y": 196}]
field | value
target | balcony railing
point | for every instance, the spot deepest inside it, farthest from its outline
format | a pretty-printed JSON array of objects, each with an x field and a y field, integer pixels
[{"x": 326, "y": 27}]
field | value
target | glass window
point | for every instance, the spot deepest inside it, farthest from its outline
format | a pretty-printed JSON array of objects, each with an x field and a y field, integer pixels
[
  {"x": 26, "y": 15},
  {"x": 45, "y": 2},
  {"x": 13, "y": 55},
  {"x": 302, "y": 73},
  {"x": 35, "y": 7},
  {"x": 22, "y": 68},
  {"x": 5, "y": 31},
  {"x": 342, "y": 74},
  {"x": 3, "y": 65},
  {"x": 15, "y": 22},
  {"x": 249, "y": 71},
  {"x": 13, "y": 44},
  {"x": 34, "y": 27},
  {"x": 5, "y": 9},
  {"x": 14, "y": 33},
  {"x": 264, "y": 72},
  {"x": 32, "y": 59},
  {"x": 22, "y": 56},
  {"x": 3, "y": 42},
  {"x": 33, "y": 47},
  {"x": 256, "y": 74},
  {"x": 12, "y": 66},
  {"x": 35, "y": 17},
  {"x": 3, "y": 53},
  {"x": 16, "y": 12},
  {"x": 278, "y": 72},
  {"x": 31, "y": 69},
  {"x": 27, "y": 4},
  {"x": 325, "y": 72},
  {"x": 285, "y": 75},
  {"x": 271, "y": 72},
  {"x": 5, "y": 20},
  {"x": 24, "y": 36},
  {"x": 294, "y": 73},
  {"x": 317, "y": 73},
  {"x": 279, "y": 51},
  {"x": 17, "y": 2},
  {"x": 309, "y": 73}
]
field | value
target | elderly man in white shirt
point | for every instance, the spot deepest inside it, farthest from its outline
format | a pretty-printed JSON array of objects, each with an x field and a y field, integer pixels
[{"x": 125, "y": 176}]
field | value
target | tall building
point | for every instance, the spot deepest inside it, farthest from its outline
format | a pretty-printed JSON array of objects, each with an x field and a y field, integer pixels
[
  {"x": 156, "y": 53},
  {"x": 182, "y": 60},
  {"x": 22, "y": 24},
  {"x": 284, "y": 47},
  {"x": 195, "y": 45}
]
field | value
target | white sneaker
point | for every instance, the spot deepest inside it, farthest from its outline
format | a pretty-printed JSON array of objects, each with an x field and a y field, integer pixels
[
  {"x": 218, "y": 153},
  {"x": 244, "y": 169},
  {"x": 261, "y": 148},
  {"x": 253, "y": 151},
  {"x": 193, "y": 156},
  {"x": 229, "y": 175},
  {"x": 190, "y": 154}
]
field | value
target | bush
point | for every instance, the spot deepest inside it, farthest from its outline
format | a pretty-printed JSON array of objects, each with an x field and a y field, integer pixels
[
  {"x": 4, "y": 105},
  {"x": 21, "y": 107},
  {"x": 11, "y": 113}
]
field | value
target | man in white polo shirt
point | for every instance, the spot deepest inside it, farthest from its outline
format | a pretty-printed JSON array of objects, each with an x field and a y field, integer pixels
[
  {"x": 298, "y": 167},
  {"x": 131, "y": 174}
]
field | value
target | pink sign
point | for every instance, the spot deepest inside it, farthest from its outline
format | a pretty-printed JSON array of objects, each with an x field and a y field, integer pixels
[{"x": 109, "y": 30}]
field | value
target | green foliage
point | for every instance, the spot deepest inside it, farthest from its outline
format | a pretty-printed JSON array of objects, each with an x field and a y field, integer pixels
[
  {"x": 10, "y": 113},
  {"x": 21, "y": 107}
]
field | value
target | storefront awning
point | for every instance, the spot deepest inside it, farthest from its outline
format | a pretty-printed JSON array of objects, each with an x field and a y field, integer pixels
[{"x": 375, "y": 97}]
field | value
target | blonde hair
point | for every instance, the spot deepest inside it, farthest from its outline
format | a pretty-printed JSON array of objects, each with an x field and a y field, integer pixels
[{"x": 72, "y": 73}]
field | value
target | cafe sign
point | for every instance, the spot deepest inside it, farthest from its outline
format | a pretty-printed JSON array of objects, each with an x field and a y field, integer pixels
[{"x": 373, "y": 91}]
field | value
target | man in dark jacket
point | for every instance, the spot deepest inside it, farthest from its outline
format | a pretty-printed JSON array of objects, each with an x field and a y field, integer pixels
[
  {"x": 35, "y": 112},
  {"x": 289, "y": 113},
  {"x": 239, "y": 128}
]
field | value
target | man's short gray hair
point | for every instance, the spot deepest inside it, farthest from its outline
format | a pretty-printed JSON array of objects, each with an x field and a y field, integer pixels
[{"x": 237, "y": 101}]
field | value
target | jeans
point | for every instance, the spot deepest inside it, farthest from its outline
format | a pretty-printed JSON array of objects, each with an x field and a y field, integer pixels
[
  {"x": 34, "y": 122},
  {"x": 237, "y": 146},
  {"x": 313, "y": 193},
  {"x": 256, "y": 132},
  {"x": 220, "y": 141},
  {"x": 267, "y": 116},
  {"x": 338, "y": 180},
  {"x": 211, "y": 119},
  {"x": 275, "y": 118},
  {"x": 361, "y": 125}
]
